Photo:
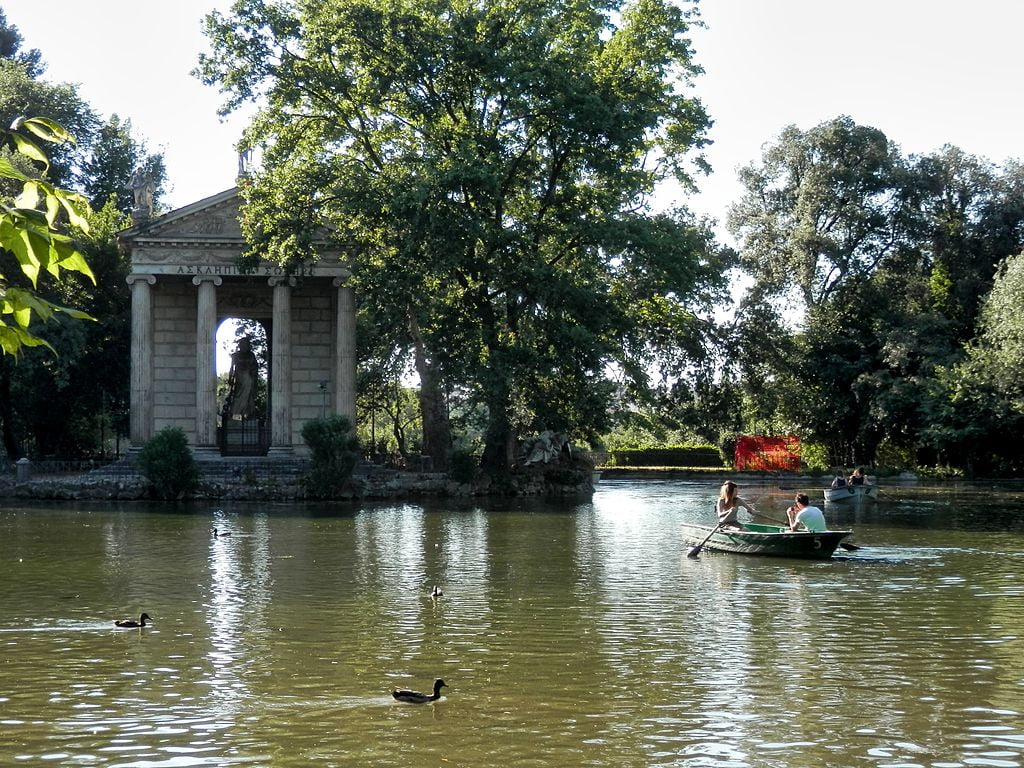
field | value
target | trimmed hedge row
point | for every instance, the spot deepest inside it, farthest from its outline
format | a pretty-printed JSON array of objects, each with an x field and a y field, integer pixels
[{"x": 669, "y": 456}]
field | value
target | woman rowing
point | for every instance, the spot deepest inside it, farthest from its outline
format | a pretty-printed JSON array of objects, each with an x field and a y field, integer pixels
[{"x": 729, "y": 503}]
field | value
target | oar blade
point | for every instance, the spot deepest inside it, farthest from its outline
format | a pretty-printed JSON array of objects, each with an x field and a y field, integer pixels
[{"x": 695, "y": 550}]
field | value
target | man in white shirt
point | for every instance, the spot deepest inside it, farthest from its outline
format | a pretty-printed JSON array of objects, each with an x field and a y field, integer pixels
[{"x": 803, "y": 514}]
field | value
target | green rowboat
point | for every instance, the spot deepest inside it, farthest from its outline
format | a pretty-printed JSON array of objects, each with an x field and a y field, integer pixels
[{"x": 768, "y": 540}]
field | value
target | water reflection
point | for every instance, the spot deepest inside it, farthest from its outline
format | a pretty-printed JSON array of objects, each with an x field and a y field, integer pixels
[{"x": 569, "y": 634}]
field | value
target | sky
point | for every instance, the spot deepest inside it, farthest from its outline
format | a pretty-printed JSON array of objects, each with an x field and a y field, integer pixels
[{"x": 926, "y": 72}]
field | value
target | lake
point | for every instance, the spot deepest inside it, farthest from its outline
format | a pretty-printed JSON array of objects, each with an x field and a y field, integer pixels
[{"x": 569, "y": 634}]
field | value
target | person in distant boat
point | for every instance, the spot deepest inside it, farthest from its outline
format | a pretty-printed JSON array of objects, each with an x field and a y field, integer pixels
[
  {"x": 839, "y": 481},
  {"x": 858, "y": 477},
  {"x": 729, "y": 503},
  {"x": 802, "y": 514}
]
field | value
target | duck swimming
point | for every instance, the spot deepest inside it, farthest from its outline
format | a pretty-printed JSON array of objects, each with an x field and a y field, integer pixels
[
  {"x": 415, "y": 697},
  {"x": 218, "y": 535},
  {"x": 131, "y": 623},
  {"x": 437, "y": 592}
]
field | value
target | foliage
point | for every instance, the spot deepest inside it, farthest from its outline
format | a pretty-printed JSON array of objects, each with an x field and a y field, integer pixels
[
  {"x": 167, "y": 462},
  {"x": 491, "y": 164},
  {"x": 21, "y": 94},
  {"x": 334, "y": 451},
  {"x": 996, "y": 359},
  {"x": 814, "y": 456},
  {"x": 30, "y": 235}
]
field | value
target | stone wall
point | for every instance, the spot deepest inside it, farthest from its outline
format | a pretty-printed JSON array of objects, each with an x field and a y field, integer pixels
[
  {"x": 313, "y": 341},
  {"x": 268, "y": 480},
  {"x": 174, "y": 356}
]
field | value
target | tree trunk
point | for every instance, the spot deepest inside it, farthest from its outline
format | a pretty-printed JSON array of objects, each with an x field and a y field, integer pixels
[
  {"x": 436, "y": 427},
  {"x": 500, "y": 440},
  {"x": 11, "y": 444}
]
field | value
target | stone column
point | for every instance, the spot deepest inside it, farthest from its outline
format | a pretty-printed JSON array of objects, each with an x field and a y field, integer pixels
[
  {"x": 141, "y": 409},
  {"x": 206, "y": 368},
  {"x": 281, "y": 368},
  {"x": 345, "y": 355}
]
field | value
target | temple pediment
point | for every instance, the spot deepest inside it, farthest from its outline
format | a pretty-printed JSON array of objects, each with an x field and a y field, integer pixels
[
  {"x": 211, "y": 220},
  {"x": 205, "y": 238}
]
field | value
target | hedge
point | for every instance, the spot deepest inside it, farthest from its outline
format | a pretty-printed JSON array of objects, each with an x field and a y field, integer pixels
[{"x": 669, "y": 456}]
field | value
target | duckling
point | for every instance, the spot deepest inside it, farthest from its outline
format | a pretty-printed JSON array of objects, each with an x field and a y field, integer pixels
[
  {"x": 415, "y": 697},
  {"x": 437, "y": 592},
  {"x": 131, "y": 623}
]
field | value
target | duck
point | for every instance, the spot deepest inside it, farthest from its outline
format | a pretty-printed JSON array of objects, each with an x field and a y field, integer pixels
[
  {"x": 437, "y": 592},
  {"x": 131, "y": 623},
  {"x": 218, "y": 535},
  {"x": 415, "y": 697}
]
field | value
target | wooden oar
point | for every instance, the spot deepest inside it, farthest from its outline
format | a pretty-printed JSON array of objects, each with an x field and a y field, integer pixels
[
  {"x": 845, "y": 545},
  {"x": 695, "y": 550}
]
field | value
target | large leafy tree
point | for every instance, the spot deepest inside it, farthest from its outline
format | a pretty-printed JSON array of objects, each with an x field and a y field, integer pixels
[
  {"x": 979, "y": 403},
  {"x": 868, "y": 271},
  {"x": 822, "y": 214},
  {"x": 821, "y": 211},
  {"x": 492, "y": 164}
]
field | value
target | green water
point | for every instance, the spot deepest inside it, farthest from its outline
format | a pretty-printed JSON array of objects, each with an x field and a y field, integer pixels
[{"x": 569, "y": 635}]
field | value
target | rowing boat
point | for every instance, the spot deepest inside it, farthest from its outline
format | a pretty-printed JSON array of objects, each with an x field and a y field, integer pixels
[
  {"x": 769, "y": 540},
  {"x": 853, "y": 493}
]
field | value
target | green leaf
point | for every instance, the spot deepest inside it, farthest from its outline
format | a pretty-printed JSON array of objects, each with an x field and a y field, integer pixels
[
  {"x": 28, "y": 148},
  {"x": 29, "y": 196},
  {"x": 72, "y": 203},
  {"x": 47, "y": 130},
  {"x": 7, "y": 169}
]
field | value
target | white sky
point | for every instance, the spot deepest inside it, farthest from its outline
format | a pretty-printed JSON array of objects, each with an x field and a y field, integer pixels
[{"x": 926, "y": 72}]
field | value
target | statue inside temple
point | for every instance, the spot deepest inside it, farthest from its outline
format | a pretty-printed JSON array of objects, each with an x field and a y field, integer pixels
[{"x": 241, "y": 399}]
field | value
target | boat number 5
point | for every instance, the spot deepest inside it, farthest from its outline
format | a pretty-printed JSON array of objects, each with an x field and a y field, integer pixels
[{"x": 817, "y": 543}]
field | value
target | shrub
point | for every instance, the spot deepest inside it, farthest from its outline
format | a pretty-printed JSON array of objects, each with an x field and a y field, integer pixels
[
  {"x": 462, "y": 465},
  {"x": 166, "y": 461},
  {"x": 334, "y": 450}
]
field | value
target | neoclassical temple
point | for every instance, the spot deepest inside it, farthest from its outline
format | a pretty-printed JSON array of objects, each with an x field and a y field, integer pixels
[{"x": 184, "y": 282}]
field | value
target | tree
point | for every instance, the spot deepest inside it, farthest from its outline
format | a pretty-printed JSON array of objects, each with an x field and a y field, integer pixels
[
  {"x": 20, "y": 95},
  {"x": 10, "y": 48},
  {"x": 492, "y": 166},
  {"x": 821, "y": 211}
]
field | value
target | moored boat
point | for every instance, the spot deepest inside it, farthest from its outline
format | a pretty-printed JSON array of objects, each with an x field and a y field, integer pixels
[
  {"x": 851, "y": 493},
  {"x": 768, "y": 540}
]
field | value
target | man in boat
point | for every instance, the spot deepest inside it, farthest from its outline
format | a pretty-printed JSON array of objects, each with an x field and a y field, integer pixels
[
  {"x": 839, "y": 481},
  {"x": 802, "y": 514}
]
